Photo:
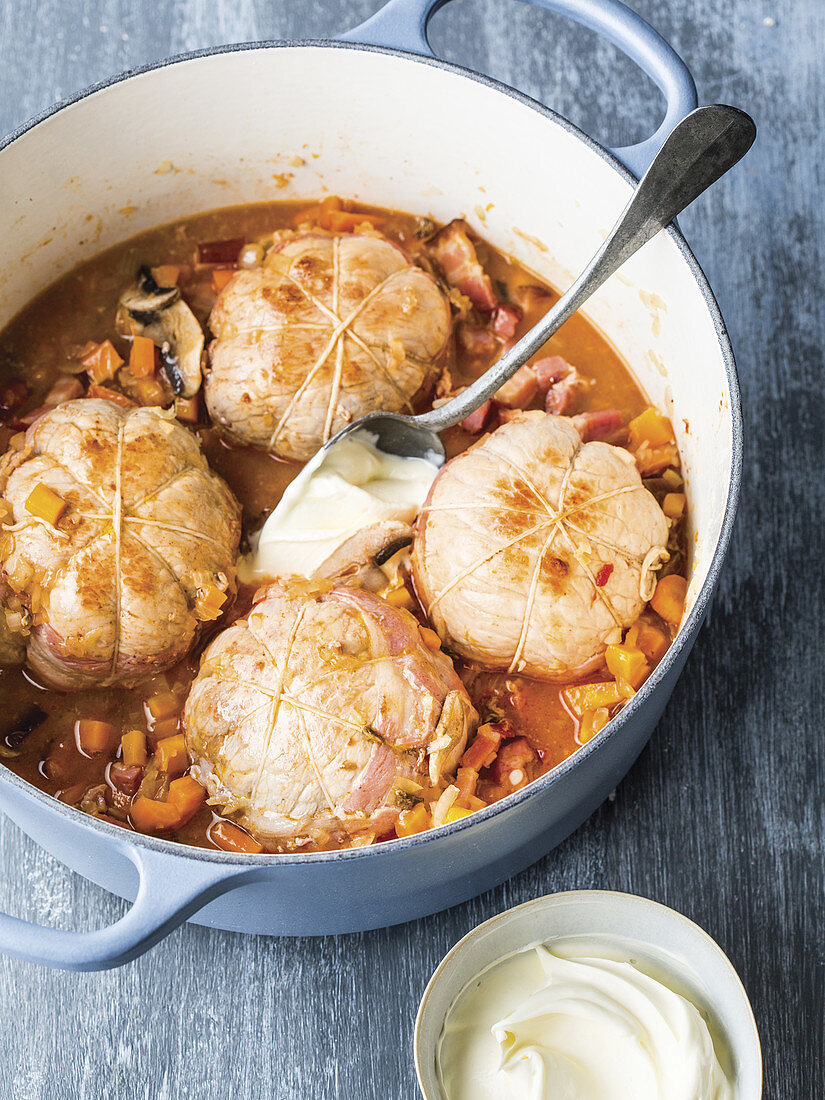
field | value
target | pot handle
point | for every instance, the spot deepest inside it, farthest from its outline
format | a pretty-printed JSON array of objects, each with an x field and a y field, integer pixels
[
  {"x": 166, "y": 897},
  {"x": 402, "y": 25}
]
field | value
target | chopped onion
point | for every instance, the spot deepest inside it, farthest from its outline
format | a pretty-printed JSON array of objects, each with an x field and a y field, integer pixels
[{"x": 444, "y": 805}]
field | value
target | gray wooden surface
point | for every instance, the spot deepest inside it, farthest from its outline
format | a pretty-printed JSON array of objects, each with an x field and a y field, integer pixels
[{"x": 723, "y": 815}]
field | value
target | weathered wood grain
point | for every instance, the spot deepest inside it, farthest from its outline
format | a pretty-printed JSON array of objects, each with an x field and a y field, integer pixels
[{"x": 723, "y": 815}]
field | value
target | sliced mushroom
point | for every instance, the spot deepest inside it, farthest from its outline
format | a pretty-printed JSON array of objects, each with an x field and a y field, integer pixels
[
  {"x": 357, "y": 561},
  {"x": 161, "y": 314}
]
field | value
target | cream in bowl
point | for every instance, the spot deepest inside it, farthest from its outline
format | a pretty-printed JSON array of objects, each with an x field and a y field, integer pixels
[{"x": 587, "y": 996}]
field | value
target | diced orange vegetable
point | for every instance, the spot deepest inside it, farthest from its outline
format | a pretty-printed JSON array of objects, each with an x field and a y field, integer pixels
[
  {"x": 669, "y": 598},
  {"x": 399, "y": 597},
  {"x": 673, "y": 505},
  {"x": 45, "y": 503},
  {"x": 187, "y": 795},
  {"x": 221, "y": 276},
  {"x": 133, "y": 746},
  {"x": 166, "y": 727},
  {"x": 163, "y": 704},
  {"x": 149, "y": 815},
  {"x": 171, "y": 755},
  {"x": 475, "y": 803},
  {"x": 455, "y": 813},
  {"x": 142, "y": 357},
  {"x": 583, "y": 697},
  {"x": 108, "y": 394},
  {"x": 166, "y": 274},
  {"x": 232, "y": 838},
  {"x": 188, "y": 409},
  {"x": 483, "y": 749},
  {"x": 650, "y": 427},
  {"x": 592, "y": 722},
  {"x": 150, "y": 391},
  {"x": 346, "y": 221},
  {"x": 429, "y": 637},
  {"x": 102, "y": 362},
  {"x": 209, "y": 602},
  {"x": 627, "y": 663},
  {"x": 412, "y": 821},
  {"x": 649, "y": 639},
  {"x": 94, "y": 737}
]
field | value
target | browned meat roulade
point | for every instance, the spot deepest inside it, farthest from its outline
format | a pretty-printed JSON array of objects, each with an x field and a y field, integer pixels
[
  {"x": 329, "y": 329},
  {"x": 321, "y": 712},
  {"x": 119, "y": 541},
  {"x": 535, "y": 549}
]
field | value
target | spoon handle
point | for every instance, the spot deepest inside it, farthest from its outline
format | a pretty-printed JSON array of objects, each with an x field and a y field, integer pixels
[{"x": 698, "y": 151}]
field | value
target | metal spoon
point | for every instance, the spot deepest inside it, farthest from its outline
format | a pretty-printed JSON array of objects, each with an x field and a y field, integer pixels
[{"x": 697, "y": 152}]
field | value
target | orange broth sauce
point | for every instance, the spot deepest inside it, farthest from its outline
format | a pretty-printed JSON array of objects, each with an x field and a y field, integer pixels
[{"x": 43, "y": 342}]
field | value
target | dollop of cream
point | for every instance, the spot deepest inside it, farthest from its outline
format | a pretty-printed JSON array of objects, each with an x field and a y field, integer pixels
[
  {"x": 543, "y": 1024},
  {"x": 339, "y": 492}
]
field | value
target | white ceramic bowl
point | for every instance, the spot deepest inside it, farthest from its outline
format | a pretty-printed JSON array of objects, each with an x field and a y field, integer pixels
[{"x": 656, "y": 934}]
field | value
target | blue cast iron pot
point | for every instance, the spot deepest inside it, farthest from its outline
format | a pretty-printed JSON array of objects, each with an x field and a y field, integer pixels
[{"x": 374, "y": 116}]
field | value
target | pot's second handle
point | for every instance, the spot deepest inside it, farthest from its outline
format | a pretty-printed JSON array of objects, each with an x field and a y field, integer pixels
[
  {"x": 166, "y": 897},
  {"x": 402, "y": 25}
]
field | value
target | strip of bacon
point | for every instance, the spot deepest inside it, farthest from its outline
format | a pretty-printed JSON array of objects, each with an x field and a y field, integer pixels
[
  {"x": 518, "y": 391},
  {"x": 476, "y": 422},
  {"x": 506, "y": 320},
  {"x": 455, "y": 254},
  {"x": 602, "y": 424}
]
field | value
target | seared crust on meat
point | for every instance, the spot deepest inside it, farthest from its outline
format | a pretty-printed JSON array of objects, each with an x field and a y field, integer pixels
[
  {"x": 112, "y": 587},
  {"x": 329, "y": 329},
  {"x": 534, "y": 550}
]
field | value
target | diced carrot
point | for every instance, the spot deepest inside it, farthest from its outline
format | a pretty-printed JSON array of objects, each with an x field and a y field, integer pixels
[
  {"x": 455, "y": 813},
  {"x": 232, "y": 838},
  {"x": 429, "y": 637},
  {"x": 45, "y": 503},
  {"x": 102, "y": 362},
  {"x": 150, "y": 815},
  {"x": 209, "y": 602},
  {"x": 94, "y": 737},
  {"x": 583, "y": 697},
  {"x": 150, "y": 392},
  {"x": 483, "y": 749},
  {"x": 412, "y": 821},
  {"x": 107, "y": 394},
  {"x": 673, "y": 505},
  {"x": 171, "y": 755},
  {"x": 652, "y": 641},
  {"x": 188, "y": 409},
  {"x": 627, "y": 663},
  {"x": 399, "y": 597},
  {"x": 650, "y": 427},
  {"x": 142, "y": 357},
  {"x": 669, "y": 598},
  {"x": 133, "y": 746},
  {"x": 166, "y": 727},
  {"x": 592, "y": 722},
  {"x": 187, "y": 795},
  {"x": 221, "y": 276},
  {"x": 346, "y": 221},
  {"x": 166, "y": 274},
  {"x": 163, "y": 704}
]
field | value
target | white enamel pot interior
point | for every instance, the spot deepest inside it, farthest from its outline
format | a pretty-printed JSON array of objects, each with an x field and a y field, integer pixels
[{"x": 297, "y": 120}]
